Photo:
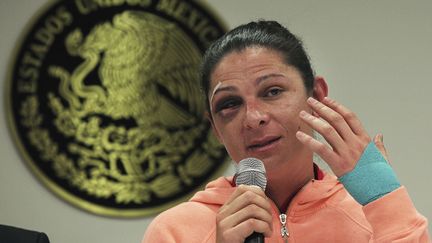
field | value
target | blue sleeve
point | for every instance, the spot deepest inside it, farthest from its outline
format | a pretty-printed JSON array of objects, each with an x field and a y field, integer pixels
[{"x": 371, "y": 178}]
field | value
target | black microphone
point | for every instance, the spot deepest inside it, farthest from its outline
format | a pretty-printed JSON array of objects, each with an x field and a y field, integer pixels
[{"x": 251, "y": 171}]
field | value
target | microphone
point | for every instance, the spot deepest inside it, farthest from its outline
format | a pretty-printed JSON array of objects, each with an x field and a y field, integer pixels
[{"x": 251, "y": 171}]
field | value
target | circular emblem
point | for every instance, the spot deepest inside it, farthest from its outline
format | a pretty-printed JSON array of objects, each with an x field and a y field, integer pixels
[{"x": 104, "y": 103}]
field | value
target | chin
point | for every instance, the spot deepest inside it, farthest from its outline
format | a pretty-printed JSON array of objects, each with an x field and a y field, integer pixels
[{"x": 272, "y": 163}]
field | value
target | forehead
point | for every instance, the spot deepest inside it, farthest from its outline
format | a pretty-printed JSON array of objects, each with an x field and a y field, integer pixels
[{"x": 245, "y": 64}]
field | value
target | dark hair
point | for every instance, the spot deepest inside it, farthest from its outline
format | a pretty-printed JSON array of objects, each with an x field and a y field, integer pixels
[{"x": 267, "y": 34}]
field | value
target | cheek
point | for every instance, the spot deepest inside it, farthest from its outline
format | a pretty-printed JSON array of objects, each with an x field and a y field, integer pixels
[
  {"x": 227, "y": 130},
  {"x": 288, "y": 116},
  {"x": 233, "y": 145},
  {"x": 289, "y": 110},
  {"x": 230, "y": 134}
]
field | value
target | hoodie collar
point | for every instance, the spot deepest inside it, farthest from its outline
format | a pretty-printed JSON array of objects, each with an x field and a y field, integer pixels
[{"x": 311, "y": 197}]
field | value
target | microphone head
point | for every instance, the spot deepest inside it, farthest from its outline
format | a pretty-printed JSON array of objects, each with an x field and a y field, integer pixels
[{"x": 251, "y": 171}]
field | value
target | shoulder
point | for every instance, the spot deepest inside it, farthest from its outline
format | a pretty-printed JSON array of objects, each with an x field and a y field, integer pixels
[
  {"x": 185, "y": 222},
  {"x": 187, "y": 211}
]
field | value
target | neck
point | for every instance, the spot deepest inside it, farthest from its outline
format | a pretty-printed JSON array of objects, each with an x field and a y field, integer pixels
[{"x": 286, "y": 182}]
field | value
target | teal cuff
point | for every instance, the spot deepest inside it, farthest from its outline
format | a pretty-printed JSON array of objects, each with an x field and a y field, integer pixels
[{"x": 371, "y": 178}]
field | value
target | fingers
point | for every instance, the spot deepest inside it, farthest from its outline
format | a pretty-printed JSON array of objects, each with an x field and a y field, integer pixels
[
  {"x": 241, "y": 231},
  {"x": 326, "y": 129},
  {"x": 246, "y": 211},
  {"x": 349, "y": 116},
  {"x": 341, "y": 128},
  {"x": 334, "y": 118},
  {"x": 245, "y": 195},
  {"x": 246, "y": 201},
  {"x": 379, "y": 143},
  {"x": 324, "y": 151},
  {"x": 337, "y": 124}
]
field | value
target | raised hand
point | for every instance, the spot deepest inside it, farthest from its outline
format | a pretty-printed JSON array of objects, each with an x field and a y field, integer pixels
[{"x": 343, "y": 131}]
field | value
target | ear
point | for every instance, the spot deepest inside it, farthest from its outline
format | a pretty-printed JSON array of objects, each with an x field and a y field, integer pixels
[
  {"x": 320, "y": 89},
  {"x": 215, "y": 131}
]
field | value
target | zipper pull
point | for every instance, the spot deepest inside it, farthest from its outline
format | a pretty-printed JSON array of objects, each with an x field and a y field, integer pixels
[{"x": 284, "y": 230}]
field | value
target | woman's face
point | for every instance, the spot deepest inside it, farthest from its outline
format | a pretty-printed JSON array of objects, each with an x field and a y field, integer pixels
[{"x": 255, "y": 100}]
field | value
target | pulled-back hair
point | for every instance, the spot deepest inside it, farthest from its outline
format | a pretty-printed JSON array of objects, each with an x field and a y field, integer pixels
[{"x": 267, "y": 34}]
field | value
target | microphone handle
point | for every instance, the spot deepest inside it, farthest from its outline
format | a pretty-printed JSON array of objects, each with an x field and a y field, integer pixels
[{"x": 255, "y": 238}]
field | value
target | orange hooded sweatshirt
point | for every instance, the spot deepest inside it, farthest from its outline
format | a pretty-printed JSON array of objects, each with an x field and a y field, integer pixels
[{"x": 322, "y": 211}]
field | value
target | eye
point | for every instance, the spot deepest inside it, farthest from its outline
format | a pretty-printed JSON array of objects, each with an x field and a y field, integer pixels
[
  {"x": 228, "y": 103},
  {"x": 274, "y": 91}
]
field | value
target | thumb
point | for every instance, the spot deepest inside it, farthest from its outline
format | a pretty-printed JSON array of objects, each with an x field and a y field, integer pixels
[{"x": 378, "y": 140}]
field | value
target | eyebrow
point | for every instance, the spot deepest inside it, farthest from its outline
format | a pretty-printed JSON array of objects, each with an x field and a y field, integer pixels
[
  {"x": 266, "y": 77},
  {"x": 257, "y": 81},
  {"x": 226, "y": 88}
]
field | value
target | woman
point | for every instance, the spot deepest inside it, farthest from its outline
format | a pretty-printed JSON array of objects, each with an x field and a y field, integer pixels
[{"x": 265, "y": 102}]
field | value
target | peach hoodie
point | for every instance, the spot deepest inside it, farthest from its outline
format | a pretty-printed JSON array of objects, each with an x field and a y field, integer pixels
[{"x": 322, "y": 211}]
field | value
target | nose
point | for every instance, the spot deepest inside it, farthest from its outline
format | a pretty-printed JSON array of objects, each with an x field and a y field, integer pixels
[{"x": 256, "y": 116}]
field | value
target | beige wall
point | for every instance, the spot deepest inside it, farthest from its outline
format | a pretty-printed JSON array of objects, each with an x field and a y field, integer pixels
[{"x": 375, "y": 55}]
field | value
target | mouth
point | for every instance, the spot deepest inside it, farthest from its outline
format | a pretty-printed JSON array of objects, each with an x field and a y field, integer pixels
[{"x": 261, "y": 145}]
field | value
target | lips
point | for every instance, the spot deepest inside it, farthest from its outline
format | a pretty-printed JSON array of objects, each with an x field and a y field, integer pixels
[{"x": 263, "y": 143}]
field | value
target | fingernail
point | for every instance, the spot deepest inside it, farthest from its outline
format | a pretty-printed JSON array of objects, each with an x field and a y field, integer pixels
[
  {"x": 381, "y": 136},
  {"x": 303, "y": 113},
  {"x": 300, "y": 134},
  {"x": 312, "y": 100}
]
